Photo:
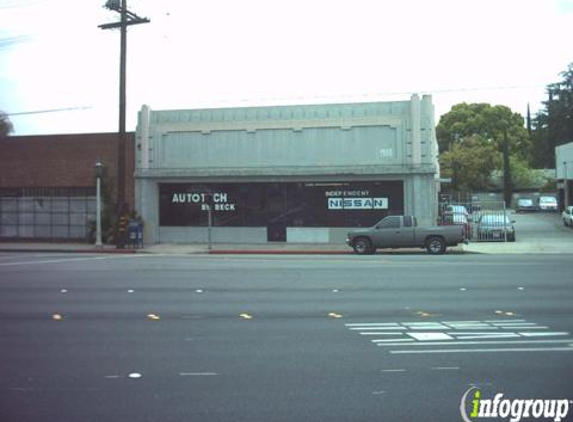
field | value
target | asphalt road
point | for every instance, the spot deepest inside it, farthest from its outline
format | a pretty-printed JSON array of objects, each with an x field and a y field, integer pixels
[{"x": 251, "y": 338}]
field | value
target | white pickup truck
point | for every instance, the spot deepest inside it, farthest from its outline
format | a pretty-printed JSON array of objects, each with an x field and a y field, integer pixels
[{"x": 402, "y": 231}]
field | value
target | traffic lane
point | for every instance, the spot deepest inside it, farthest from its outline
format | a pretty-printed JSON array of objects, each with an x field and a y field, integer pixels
[
  {"x": 152, "y": 279},
  {"x": 145, "y": 269},
  {"x": 369, "y": 353},
  {"x": 392, "y": 296},
  {"x": 255, "y": 368},
  {"x": 261, "y": 368},
  {"x": 534, "y": 287}
]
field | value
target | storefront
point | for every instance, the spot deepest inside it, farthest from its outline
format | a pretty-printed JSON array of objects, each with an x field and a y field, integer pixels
[
  {"x": 279, "y": 206},
  {"x": 284, "y": 174}
]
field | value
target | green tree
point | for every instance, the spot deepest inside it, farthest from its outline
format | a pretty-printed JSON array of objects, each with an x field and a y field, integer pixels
[
  {"x": 496, "y": 126},
  {"x": 469, "y": 164},
  {"x": 490, "y": 123},
  {"x": 6, "y": 127},
  {"x": 554, "y": 123}
]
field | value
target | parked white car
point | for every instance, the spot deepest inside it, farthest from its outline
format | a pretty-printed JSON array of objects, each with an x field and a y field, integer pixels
[
  {"x": 547, "y": 203},
  {"x": 567, "y": 216}
]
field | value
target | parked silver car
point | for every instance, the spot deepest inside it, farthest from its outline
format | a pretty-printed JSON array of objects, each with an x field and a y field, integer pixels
[
  {"x": 547, "y": 203},
  {"x": 567, "y": 216},
  {"x": 525, "y": 204},
  {"x": 496, "y": 226}
]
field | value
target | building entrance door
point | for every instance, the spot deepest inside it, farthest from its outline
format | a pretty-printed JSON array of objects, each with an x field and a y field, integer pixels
[{"x": 276, "y": 213}]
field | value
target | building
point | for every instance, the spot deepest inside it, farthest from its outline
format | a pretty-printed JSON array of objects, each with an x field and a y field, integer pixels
[
  {"x": 564, "y": 173},
  {"x": 290, "y": 173},
  {"x": 47, "y": 183}
]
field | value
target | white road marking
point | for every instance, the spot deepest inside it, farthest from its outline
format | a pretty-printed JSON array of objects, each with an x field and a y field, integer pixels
[
  {"x": 393, "y": 370},
  {"x": 364, "y": 324},
  {"x": 25, "y": 255},
  {"x": 445, "y": 368},
  {"x": 377, "y": 328},
  {"x": 502, "y": 321},
  {"x": 474, "y": 336},
  {"x": 545, "y": 334},
  {"x": 380, "y": 334},
  {"x": 135, "y": 375},
  {"x": 58, "y": 261},
  {"x": 430, "y": 336},
  {"x": 113, "y": 376},
  {"x": 468, "y": 343},
  {"x": 198, "y": 374},
  {"x": 491, "y": 335},
  {"x": 493, "y": 350}
]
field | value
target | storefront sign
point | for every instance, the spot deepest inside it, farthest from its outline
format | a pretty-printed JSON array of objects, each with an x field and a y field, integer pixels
[
  {"x": 220, "y": 200},
  {"x": 357, "y": 203},
  {"x": 354, "y": 199}
]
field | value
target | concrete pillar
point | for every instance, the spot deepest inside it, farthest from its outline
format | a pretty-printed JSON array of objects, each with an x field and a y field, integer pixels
[
  {"x": 415, "y": 120},
  {"x": 142, "y": 138}
]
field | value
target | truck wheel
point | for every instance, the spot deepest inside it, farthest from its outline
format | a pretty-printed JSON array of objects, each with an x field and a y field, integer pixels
[
  {"x": 362, "y": 246},
  {"x": 436, "y": 245}
]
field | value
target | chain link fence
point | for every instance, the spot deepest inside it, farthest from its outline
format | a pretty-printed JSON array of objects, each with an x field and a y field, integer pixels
[
  {"x": 483, "y": 221},
  {"x": 46, "y": 213}
]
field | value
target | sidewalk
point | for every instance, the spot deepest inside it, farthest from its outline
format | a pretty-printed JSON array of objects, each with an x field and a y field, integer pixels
[
  {"x": 216, "y": 249},
  {"x": 52, "y": 247},
  {"x": 519, "y": 247}
]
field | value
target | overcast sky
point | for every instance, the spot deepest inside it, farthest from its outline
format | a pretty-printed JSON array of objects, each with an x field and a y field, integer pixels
[{"x": 227, "y": 53}]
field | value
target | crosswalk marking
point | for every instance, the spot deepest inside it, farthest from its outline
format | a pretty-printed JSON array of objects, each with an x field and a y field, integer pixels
[{"x": 517, "y": 333}]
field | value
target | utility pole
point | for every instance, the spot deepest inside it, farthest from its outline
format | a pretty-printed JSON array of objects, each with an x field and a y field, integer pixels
[{"x": 127, "y": 18}]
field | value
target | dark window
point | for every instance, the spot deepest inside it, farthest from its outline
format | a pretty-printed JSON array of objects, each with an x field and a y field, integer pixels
[
  {"x": 390, "y": 223},
  {"x": 344, "y": 204}
]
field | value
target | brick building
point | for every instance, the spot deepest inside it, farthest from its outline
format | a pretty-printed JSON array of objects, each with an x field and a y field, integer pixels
[{"x": 47, "y": 186}]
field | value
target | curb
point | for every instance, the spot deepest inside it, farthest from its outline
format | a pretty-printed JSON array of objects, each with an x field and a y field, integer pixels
[
  {"x": 96, "y": 251},
  {"x": 275, "y": 252}
]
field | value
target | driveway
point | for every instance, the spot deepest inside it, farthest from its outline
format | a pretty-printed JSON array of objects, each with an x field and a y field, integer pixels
[{"x": 535, "y": 233}]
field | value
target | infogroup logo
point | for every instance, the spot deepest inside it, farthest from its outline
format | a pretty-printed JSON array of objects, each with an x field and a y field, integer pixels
[{"x": 512, "y": 409}]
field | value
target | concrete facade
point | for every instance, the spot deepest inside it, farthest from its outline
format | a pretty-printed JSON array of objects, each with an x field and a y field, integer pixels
[
  {"x": 564, "y": 173},
  {"x": 373, "y": 143}
]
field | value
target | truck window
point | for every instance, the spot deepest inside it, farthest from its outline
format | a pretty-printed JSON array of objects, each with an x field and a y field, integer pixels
[
  {"x": 390, "y": 223},
  {"x": 408, "y": 221}
]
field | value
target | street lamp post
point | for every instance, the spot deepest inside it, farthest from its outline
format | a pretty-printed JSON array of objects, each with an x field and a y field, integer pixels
[{"x": 98, "y": 174}]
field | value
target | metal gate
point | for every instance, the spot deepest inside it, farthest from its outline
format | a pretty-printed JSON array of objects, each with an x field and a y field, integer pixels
[
  {"x": 46, "y": 213},
  {"x": 482, "y": 221}
]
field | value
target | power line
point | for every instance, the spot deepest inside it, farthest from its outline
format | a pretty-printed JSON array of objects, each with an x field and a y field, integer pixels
[
  {"x": 7, "y": 42},
  {"x": 51, "y": 110},
  {"x": 16, "y": 4}
]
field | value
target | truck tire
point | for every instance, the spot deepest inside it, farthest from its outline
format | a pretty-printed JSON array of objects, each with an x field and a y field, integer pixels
[
  {"x": 435, "y": 245},
  {"x": 362, "y": 246}
]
